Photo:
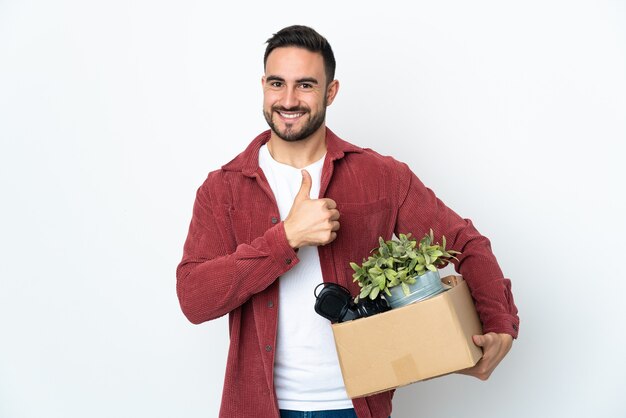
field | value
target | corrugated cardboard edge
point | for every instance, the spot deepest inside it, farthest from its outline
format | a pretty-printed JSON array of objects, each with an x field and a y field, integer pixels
[{"x": 469, "y": 322}]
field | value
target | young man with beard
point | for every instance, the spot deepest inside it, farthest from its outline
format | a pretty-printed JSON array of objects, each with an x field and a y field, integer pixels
[{"x": 293, "y": 210}]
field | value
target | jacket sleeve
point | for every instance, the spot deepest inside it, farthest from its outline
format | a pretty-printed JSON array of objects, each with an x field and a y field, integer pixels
[
  {"x": 419, "y": 211},
  {"x": 215, "y": 276}
]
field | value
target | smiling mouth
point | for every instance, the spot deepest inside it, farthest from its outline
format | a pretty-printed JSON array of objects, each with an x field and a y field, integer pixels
[{"x": 290, "y": 115}]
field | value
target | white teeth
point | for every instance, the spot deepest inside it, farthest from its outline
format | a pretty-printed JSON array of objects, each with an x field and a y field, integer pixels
[{"x": 291, "y": 115}]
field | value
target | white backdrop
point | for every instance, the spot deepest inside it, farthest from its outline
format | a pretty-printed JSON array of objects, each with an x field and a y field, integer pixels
[{"x": 113, "y": 112}]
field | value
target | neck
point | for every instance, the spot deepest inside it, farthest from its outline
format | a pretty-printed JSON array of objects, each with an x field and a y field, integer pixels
[{"x": 298, "y": 154}]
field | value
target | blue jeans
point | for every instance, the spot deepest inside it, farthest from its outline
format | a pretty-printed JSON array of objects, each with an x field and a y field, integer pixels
[{"x": 333, "y": 413}]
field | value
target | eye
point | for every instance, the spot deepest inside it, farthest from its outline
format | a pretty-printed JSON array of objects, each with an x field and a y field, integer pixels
[
  {"x": 306, "y": 86},
  {"x": 276, "y": 84}
]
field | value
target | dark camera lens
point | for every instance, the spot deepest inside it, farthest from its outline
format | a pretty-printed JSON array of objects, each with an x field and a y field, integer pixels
[
  {"x": 369, "y": 307},
  {"x": 335, "y": 303}
]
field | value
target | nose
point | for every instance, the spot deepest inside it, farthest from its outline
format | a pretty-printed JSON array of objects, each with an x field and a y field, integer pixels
[{"x": 290, "y": 98}]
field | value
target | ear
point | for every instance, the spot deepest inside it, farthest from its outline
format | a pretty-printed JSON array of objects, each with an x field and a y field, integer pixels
[
  {"x": 262, "y": 81},
  {"x": 331, "y": 92}
]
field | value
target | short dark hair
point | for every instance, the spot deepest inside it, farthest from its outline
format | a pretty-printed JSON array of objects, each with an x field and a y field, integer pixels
[{"x": 307, "y": 38}]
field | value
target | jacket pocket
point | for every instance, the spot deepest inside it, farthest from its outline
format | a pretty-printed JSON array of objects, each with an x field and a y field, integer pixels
[
  {"x": 360, "y": 226},
  {"x": 365, "y": 207}
]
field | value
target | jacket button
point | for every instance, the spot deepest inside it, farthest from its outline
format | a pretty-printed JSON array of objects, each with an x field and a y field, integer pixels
[
  {"x": 270, "y": 304},
  {"x": 288, "y": 260},
  {"x": 274, "y": 220},
  {"x": 268, "y": 348}
]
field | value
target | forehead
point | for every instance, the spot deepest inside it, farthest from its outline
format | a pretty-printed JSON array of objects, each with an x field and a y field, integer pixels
[{"x": 294, "y": 62}]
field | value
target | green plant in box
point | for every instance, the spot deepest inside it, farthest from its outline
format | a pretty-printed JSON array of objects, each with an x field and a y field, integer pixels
[{"x": 399, "y": 262}]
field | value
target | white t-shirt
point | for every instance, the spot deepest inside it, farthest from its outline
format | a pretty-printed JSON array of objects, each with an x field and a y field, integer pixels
[{"x": 307, "y": 376}]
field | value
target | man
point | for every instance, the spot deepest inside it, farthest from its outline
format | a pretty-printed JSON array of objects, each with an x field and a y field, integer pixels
[{"x": 293, "y": 210}]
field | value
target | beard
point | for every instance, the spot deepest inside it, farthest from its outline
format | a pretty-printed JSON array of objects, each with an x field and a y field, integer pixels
[{"x": 291, "y": 134}]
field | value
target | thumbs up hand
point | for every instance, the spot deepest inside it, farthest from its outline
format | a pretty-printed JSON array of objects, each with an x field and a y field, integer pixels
[{"x": 311, "y": 221}]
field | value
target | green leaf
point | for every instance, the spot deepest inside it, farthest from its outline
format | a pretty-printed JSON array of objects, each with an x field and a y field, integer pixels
[
  {"x": 374, "y": 293},
  {"x": 377, "y": 280},
  {"x": 406, "y": 289},
  {"x": 431, "y": 267},
  {"x": 355, "y": 266},
  {"x": 391, "y": 274}
]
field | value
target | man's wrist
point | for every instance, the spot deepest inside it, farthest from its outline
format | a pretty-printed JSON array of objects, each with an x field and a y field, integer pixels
[{"x": 293, "y": 243}]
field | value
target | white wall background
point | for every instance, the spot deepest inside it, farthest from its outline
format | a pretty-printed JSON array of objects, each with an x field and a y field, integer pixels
[{"x": 113, "y": 112}]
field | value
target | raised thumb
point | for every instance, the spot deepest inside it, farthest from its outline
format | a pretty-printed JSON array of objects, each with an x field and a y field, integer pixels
[{"x": 305, "y": 189}]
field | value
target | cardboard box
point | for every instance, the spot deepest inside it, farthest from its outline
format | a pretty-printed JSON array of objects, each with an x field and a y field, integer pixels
[{"x": 426, "y": 339}]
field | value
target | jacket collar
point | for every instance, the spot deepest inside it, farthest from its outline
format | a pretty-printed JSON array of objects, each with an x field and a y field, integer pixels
[{"x": 248, "y": 161}]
